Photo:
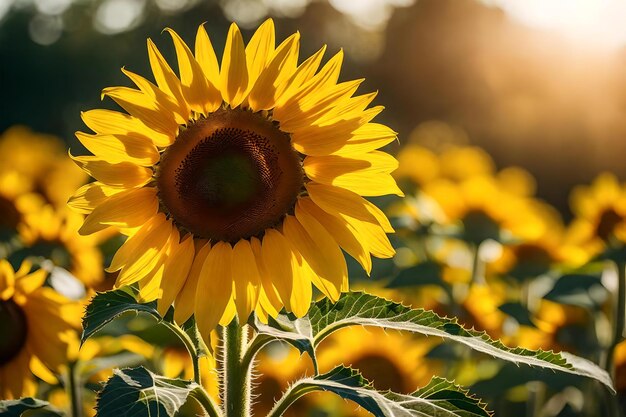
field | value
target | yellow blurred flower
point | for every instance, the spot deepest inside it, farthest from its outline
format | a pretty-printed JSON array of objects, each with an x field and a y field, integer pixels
[
  {"x": 16, "y": 201},
  {"x": 42, "y": 161},
  {"x": 52, "y": 233},
  {"x": 418, "y": 164},
  {"x": 559, "y": 328},
  {"x": 37, "y": 326},
  {"x": 486, "y": 210},
  {"x": 600, "y": 211},
  {"x": 460, "y": 163},
  {"x": 176, "y": 363}
]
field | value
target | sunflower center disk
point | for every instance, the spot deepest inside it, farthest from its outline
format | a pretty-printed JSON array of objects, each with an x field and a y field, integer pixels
[
  {"x": 229, "y": 176},
  {"x": 13, "y": 327}
]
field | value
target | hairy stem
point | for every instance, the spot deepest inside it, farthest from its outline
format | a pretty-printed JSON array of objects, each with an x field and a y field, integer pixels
[
  {"x": 191, "y": 348},
  {"x": 290, "y": 397},
  {"x": 206, "y": 402},
  {"x": 236, "y": 375}
]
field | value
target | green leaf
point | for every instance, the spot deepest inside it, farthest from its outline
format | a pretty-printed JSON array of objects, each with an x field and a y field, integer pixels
[
  {"x": 295, "y": 331},
  {"x": 439, "y": 398},
  {"x": 138, "y": 392},
  {"x": 518, "y": 312},
  {"x": 25, "y": 406},
  {"x": 106, "y": 306},
  {"x": 578, "y": 289},
  {"x": 358, "y": 308}
]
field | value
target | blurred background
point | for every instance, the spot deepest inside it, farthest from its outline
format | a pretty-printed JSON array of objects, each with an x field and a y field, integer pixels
[{"x": 536, "y": 83}]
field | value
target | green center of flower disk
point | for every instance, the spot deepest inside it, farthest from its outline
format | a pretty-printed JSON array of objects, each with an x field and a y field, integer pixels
[
  {"x": 13, "y": 328},
  {"x": 229, "y": 176}
]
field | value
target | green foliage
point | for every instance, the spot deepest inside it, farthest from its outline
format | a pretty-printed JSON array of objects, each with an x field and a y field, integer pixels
[
  {"x": 518, "y": 312},
  {"x": 27, "y": 407},
  {"x": 363, "y": 309},
  {"x": 439, "y": 398},
  {"x": 106, "y": 306},
  {"x": 138, "y": 392},
  {"x": 581, "y": 290}
]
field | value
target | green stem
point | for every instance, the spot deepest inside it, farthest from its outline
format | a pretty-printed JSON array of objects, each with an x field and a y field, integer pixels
[
  {"x": 290, "y": 397},
  {"x": 620, "y": 314},
  {"x": 74, "y": 390},
  {"x": 236, "y": 377},
  {"x": 258, "y": 342},
  {"x": 206, "y": 402},
  {"x": 191, "y": 348},
  {"x": 477, "y": 266}
]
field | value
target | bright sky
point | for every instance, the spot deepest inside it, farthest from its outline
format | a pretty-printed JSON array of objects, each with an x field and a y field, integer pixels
[{"x": 599, "y": 22}]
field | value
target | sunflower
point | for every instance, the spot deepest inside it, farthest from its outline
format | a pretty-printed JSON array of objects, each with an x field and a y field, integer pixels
[
  {"x": 558, "y": 327},
  {"x": 600, "y": 211},
  {"x": 31, "y": 316},
  {"x": 42, "y": 161},
  {"x": 489, "y": 207},
  {"x": 239, "y": 184},
  {"x": 52, "y": 233},
  {"x": 16, "y": 201}
]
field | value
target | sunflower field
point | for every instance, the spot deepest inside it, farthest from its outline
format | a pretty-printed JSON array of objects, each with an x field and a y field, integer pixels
[{"x": 312, "y": 208}]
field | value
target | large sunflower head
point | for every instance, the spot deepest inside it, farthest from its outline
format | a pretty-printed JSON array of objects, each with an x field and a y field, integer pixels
[
  {"x": 240, "y": 182},
  {"x": 31, "y": 316}
]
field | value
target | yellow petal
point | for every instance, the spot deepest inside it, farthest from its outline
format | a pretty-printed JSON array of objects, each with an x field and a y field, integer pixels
[
  {"x": 205, "y": 55},
  {"x": 120, "y": 148},
  {"x": 161, "y": 99},
  {"x": 165, "y": 77},
  {"x": 150, "y": 284},
  {"x": 259, "y": 50},
  {"x": 340, "y": 202},
  {"x": 269, "y": 296},
  {"x": 366, "y": 174},
  {"x": 246, "y": 278},
  {"x": 306, "y": 111},
  {"x": 41, "y": 371},
  {"x": 234, "y": 72},
  {"x": 200, "y": 93},
  {"x": 145, "y": 108},
  {"x": 177, "y": 267},
  {"x": 148, "y": 255},
  {"x": 7, "y": 280},
  {"x": 341, "y": 232},
  {"x": 128, "y": 209},
  {"x": 291, "y": 275},
  {"x": 302, "y": 292},
  {"x": 328, "y": 76},
  {"x": 123, "y": 174},
  {"x": 280, "y": 68},
  {"x": 89, "y": 196},
  {"x": 303, "y": 73},
  {"x": 185, "y": 300},
  {"x": 108, "y": 122},
  {"x": 356, "y": 212},
  {"x": 320, "y": 251},
  {"x": 214, "y": 288}
]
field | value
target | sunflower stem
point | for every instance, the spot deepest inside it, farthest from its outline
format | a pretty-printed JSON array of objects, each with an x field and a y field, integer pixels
[
  {"x": 191, "y": 348},
  {"x": 74, "y": 390},
  {"x": 206, "y": 402},
  {"x": 236, "y": 374},
  {"x": 620, "y": 318}
]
